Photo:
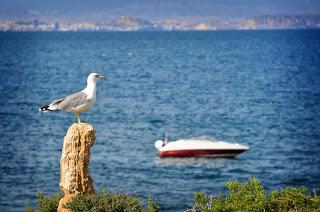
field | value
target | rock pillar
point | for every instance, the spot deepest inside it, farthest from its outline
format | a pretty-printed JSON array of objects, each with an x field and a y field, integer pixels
[{"x": 74, "y": 163}]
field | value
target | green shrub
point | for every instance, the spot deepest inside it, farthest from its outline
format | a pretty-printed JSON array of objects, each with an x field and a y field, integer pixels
[
  {"x": 294, "y": 199},
  {"x": 152, "y": 206},
  {"x": 29, "y": 209},
  {"x": 48, "y": 203},
  {"x": 250, "y": 196},
  {"x": 105, "y": 201}
]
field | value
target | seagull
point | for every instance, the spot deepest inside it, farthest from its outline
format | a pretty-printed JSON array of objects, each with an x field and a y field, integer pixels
[{"x": 77, "y": 102}]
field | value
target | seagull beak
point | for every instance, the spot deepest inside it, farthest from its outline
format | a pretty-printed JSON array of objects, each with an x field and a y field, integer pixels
[{"x": 102, "y": 77}]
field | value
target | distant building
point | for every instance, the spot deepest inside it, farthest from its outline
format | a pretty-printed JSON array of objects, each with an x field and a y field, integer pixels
[{"x": 203, "y": 26}]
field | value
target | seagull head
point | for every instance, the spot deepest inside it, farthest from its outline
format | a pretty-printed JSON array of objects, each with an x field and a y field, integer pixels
[{"x": 94, "y": 77}]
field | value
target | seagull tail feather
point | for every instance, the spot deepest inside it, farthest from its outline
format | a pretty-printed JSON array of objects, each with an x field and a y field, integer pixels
[{"x": 44, "y": 109}]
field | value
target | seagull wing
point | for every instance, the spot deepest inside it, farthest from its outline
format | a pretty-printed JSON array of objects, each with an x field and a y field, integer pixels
[{"x": 69, "y": 102}]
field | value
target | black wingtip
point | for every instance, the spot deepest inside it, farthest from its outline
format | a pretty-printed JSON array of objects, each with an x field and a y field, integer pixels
[{"x": 44, "y": 108}]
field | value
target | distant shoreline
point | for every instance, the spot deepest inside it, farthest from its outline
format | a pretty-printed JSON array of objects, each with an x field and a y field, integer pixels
[
  {"x": 164, "y": 31},
  {"x": 131, "y": 23}
]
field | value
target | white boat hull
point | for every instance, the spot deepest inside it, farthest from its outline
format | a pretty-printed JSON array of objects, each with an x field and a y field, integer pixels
[{"x": 200, "y": 148}]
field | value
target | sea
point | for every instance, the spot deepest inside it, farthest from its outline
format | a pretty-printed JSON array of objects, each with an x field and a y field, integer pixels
[{"x": 257, "y": 88}]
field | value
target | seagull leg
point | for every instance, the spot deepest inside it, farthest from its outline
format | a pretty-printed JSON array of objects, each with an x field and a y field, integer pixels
[{"x": 78, "y": 116}]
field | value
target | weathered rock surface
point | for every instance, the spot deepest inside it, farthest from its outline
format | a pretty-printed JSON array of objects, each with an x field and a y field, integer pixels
[{"x": 74, "y": 163}]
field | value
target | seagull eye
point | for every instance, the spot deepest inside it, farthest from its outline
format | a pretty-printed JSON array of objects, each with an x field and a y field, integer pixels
[{"x": 97, "y": 75}]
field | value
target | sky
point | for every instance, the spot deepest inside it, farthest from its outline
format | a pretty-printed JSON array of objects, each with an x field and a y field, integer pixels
[{"x": 154, "y": 10}]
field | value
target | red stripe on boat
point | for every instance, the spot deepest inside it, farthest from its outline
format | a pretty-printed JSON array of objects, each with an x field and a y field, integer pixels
[{"x": 200, "y": 152}]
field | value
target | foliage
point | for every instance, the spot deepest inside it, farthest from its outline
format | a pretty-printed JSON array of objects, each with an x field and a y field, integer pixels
[
  {"x": 250, "y": 196},
  {"x": 152, "y": 206},
  {"x": 48, "y": 203},
  {"x": 29, "y": 209},
  {"x": 105, "y": 201},
  {"x": 294, "y": 199},
  {"x": 247, "y": 196}
]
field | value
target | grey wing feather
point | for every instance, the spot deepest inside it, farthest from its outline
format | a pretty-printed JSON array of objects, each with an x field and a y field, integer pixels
[
  {"x": 68, "y": 102},
  {"x": 57, "y": 102}
]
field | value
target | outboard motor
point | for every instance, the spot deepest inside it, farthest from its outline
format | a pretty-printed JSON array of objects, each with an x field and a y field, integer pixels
[{"x": 158, "y": 144}]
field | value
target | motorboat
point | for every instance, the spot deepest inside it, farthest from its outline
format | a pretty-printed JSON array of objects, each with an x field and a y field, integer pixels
[{"x": 198, "y": 147}]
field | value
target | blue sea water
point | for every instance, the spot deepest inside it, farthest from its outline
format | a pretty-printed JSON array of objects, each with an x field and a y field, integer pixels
[{"x": 257, "y": 88}]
